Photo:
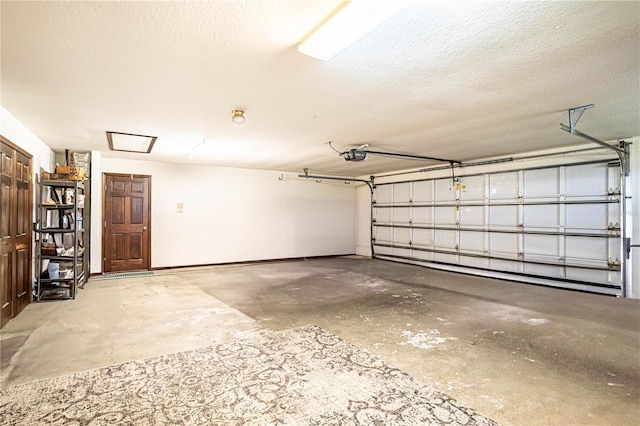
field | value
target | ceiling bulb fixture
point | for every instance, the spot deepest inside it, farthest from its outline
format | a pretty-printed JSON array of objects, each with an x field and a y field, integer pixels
[
  {"x": 238, "y": 117},
  {"x": 352, "y": 20}
]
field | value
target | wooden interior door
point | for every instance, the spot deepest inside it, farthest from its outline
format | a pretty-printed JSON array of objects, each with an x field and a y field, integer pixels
[
  {"x": 7, "y": 243},
  {"x": 127, "y": 223},
  {"x": 15, "y": 230}
]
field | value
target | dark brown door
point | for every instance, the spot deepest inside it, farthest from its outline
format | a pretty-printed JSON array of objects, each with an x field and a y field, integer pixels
[
  {"x": 15, "y": 230},
  {"x": 127, "y": 224},
  {"x": 7, "y": 244}
]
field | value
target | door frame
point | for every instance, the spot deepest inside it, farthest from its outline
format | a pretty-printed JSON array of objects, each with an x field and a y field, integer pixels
[
  {"x": 15, "y": 307},
  {"x": 104, "y": 220}
]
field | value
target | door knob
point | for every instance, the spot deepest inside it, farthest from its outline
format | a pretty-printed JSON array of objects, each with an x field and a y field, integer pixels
[{"x": 144, "y": 228}]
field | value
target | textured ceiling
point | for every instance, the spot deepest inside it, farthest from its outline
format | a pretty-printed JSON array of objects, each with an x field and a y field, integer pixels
[{"x": 459, "y": 80}]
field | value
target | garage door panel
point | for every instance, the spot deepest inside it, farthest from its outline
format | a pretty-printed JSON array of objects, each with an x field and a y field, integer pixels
[
  {"x": 593, "y": 216},
  {"x": 503, "y": 216},
  {"x": 383, "y": 215},
  {"x": 445, "y": 258},
  {"x": 383, "y": 234},
  {"x": 614, "y": 247},
  {"x": 472, "y": 242},
  {"x": 423, "y": 237},
  {"x": 472, "y": 188},
  {"x": 472, "y": 215},
  {"x": 588, "y": 248},
  {"x": 422, "y": 215},
  {"x": 422, "y": 191},
  {"x": 542, "y": 246},
  {"x": 445, "y": 239},
  {"x": 503, "y": 186},
  {"x": 586, "y": 180},
  {"x": 506, "y": 266},
  {"x": 444, "y": 191},
  {"x": 401, "y": 215},
  {"x": 424, "y": 255},
  {"x": 402, "y": 192},
  {"x": 381, "y": 251},
  {"x": 384, "y": 194},
  {"x": 474, "y": 262},
  {"x": 541, "y": 216},
  {"x": 504, "y": 244},
  {"x": 401, "y": 252},
  {"x": 402, "y": 236},
  {"x": 605, "y": 277},
  {"x": 445, "y": 216},
  {"x": 544, "y": 270},
  {"x": 541, "y": 183}
]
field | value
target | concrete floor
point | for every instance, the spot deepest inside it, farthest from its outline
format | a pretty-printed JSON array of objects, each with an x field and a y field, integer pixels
[{"x": 519, "y": 354}]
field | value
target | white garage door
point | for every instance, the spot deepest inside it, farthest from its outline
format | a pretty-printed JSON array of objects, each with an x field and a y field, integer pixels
[{"x": 557, "y": 225}]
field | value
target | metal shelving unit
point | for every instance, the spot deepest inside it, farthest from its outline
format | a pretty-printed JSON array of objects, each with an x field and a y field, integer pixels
[{"x": 67, "y": 236}]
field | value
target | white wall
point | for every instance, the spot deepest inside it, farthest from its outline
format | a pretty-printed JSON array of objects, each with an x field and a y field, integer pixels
[
  {"x": 233, "y": 215},
  {"x": 363, "y": 217},
  {"x": 95, "y": 252},
  {"x": 12, "y": 129}
]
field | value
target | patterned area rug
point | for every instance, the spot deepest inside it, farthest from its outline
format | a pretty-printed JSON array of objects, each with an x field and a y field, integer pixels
[{"x": 302, "y": 376}]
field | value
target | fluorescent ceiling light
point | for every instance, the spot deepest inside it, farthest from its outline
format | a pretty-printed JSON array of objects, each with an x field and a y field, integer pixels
[
  {"x": 348, "y": 23},
  {"x": 129, "y": 142}
]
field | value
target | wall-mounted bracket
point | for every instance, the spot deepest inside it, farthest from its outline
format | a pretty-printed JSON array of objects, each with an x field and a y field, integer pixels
[
  {"x": 346, "y": 180},
  {"x": 622, "y": 151},
  {"x": 575, "y": 114}
]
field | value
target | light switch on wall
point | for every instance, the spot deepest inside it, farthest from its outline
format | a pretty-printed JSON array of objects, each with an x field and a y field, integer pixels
[{"x": 179, "y": 207}]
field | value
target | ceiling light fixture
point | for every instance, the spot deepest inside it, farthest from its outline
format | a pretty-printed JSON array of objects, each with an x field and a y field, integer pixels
[
  {"x": 238, "y": 117},
  {"x": 352, "y": 20}
]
